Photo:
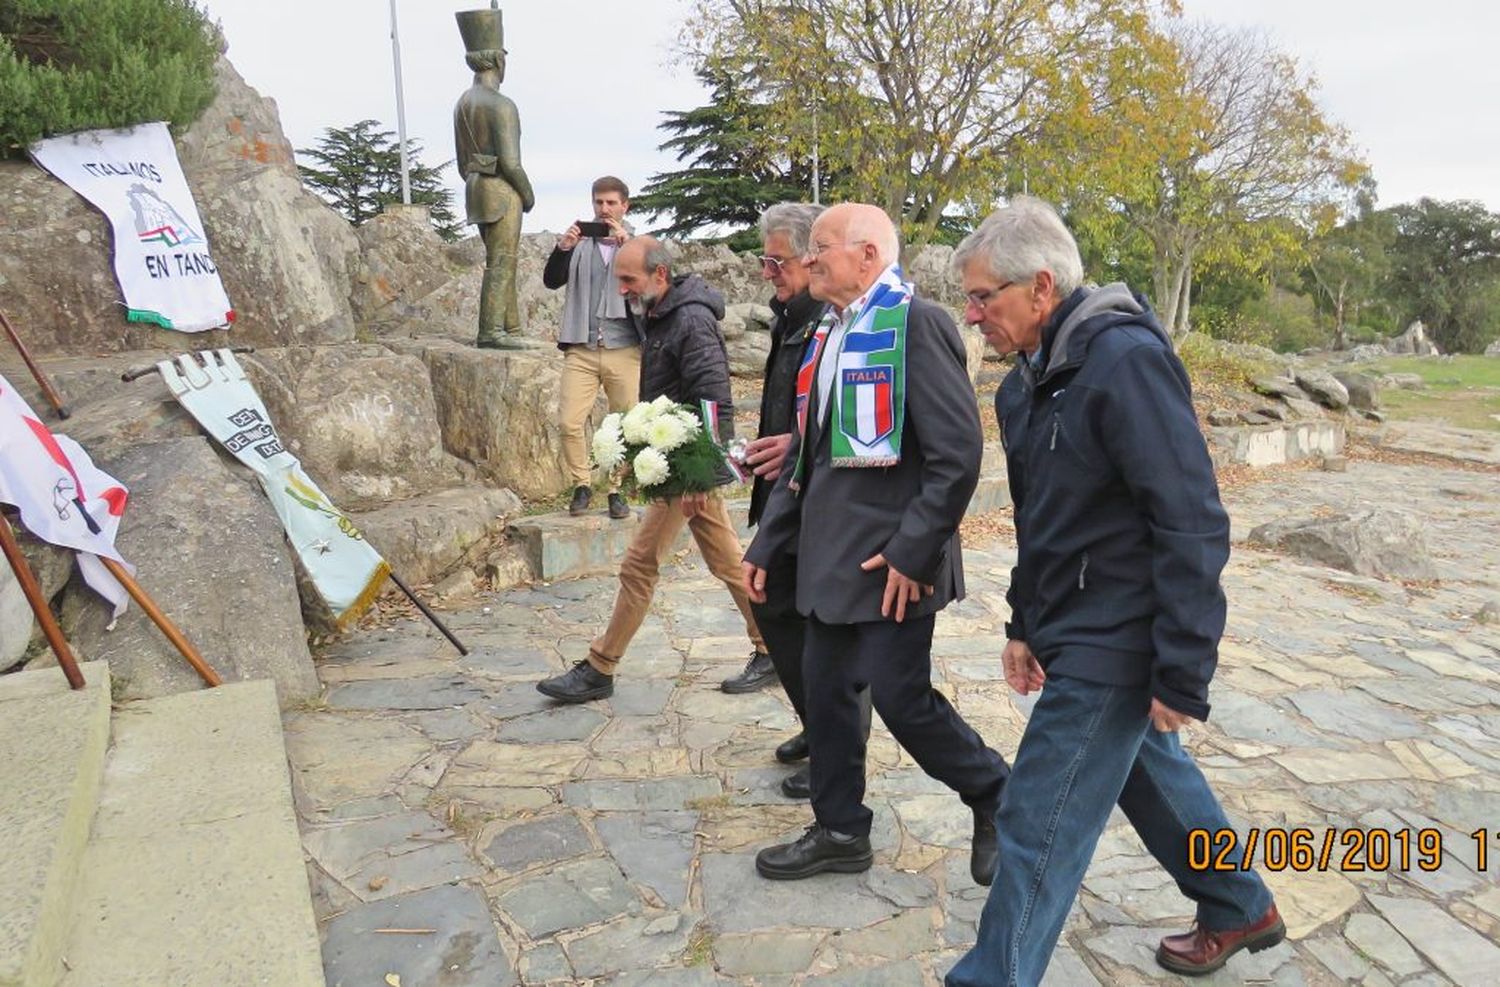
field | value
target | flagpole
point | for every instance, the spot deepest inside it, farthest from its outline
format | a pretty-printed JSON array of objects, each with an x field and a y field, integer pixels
[
  {"x": 48, "y": 391},
  {"x": 427, "y": 612},
  {"x": 400, "y": 108},
  {"x": 162, "y": 621},
  {"x": 38, "y": 601}
]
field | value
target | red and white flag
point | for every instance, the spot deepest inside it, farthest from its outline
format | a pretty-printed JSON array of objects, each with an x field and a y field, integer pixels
[{"x": 63, "y": 497}]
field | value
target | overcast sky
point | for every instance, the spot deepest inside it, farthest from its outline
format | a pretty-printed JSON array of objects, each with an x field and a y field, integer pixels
[{"x": 1411, "y": 82}]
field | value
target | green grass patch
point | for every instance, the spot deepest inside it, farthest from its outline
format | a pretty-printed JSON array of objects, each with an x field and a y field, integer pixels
[
  {"x": 1471, "y": 408},
  {"x": 1455, "y": 374},
  {"x": 1463, "y": 391}
]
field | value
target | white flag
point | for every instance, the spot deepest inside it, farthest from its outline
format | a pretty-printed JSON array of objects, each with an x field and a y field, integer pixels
[
  {"x": 63, "y": 497},
  {"x": 162, "y": 260},
  {"x": 346, "y": 569}
]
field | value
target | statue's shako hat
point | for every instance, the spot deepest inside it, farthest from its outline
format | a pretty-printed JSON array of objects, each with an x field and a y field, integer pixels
[{"x": 481, "y": 29}]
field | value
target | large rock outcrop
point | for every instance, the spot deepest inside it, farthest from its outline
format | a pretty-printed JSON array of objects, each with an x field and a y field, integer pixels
[
  {"x": 1369, "y": 542},
  {"x": 498, "y": 410},
  {"x": 360, "y": 417},
  {"x": 208, "y": 548}
]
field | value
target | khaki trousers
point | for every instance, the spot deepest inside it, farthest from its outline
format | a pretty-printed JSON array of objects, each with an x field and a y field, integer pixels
[
  {"x": 639, "y": 572},
  {"x": 585, "y": 370}
]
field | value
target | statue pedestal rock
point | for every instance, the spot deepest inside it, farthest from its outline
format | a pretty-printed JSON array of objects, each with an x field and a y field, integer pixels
[{"x": 487, "y": 138}]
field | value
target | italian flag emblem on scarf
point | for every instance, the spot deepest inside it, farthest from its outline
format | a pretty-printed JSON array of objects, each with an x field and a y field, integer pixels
[{"x": 869, "y": 385}]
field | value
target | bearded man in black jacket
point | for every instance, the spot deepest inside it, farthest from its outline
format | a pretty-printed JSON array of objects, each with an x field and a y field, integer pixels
[{"x": 683, "y": 359}]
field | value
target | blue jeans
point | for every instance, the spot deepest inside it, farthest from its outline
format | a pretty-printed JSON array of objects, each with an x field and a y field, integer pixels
[{"x": 1086, "y": 747}]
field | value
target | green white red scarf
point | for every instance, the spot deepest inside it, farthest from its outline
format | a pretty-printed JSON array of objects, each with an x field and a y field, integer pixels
[{"x": 869, "y": 385}]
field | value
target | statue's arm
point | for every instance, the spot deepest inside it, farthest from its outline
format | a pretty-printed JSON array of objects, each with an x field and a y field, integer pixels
[{"x": 509, "y": 155}]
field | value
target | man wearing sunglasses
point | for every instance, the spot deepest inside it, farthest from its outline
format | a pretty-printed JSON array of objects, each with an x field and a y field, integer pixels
[{"x": 785, "y": 231}]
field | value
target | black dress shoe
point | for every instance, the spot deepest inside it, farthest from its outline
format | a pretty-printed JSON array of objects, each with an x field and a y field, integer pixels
[
  {"x": 618, "y": 509},
  {"x": 797, "y": 785},
  {"x": 580, "y": 501},
  {"x": 986, "y": 848},
  {"x": 758, "y": 673},
  {"x": 578, "y": 684},
  {"x": 817, "y": 851},
  {"x": 793, "y": 750}
]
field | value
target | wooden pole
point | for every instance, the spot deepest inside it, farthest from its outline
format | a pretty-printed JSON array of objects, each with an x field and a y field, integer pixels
[
  {"x": 162, "y": 621},
  {"x": 38, "y": 601},
  {"x": 36, "y": 371},
  {"x": 427, "y": 612}
]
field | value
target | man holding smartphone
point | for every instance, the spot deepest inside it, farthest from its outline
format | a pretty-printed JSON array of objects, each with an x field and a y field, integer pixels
[{"x": 600, "y": 343}]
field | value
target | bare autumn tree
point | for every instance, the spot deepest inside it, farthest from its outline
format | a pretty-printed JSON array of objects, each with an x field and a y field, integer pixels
[
  {"x": 1222, "y": 155},
  {"x": 922, "y": 103}
]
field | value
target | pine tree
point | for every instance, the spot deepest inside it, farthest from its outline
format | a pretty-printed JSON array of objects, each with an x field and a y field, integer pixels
[
  {"x": 69, "y": 65},
  {"x": 358, "y": 173},
  {"x": 737, "y": 167}
]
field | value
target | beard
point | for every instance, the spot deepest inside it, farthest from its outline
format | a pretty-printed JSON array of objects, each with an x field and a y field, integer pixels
[{"x": 640, "y": 305}]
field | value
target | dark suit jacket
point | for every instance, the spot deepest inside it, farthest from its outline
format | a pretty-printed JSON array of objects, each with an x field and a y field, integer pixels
[{"x": 909, "y": 512}]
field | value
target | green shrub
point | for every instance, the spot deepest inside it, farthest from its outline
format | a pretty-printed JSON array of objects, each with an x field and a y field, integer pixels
[
  {"x": 1211, "y": 362},
  {"x": 68, "y": 65}
]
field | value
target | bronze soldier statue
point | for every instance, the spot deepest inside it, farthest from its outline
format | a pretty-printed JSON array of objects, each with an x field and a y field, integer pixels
[{"x": 487, "y": 134}]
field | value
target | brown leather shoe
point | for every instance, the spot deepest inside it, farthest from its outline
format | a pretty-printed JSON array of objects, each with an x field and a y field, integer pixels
[{"x": 1199, "y": 950}]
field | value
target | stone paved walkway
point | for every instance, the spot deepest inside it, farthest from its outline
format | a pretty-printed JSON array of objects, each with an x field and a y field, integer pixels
[{"x": 461, "y": 831}]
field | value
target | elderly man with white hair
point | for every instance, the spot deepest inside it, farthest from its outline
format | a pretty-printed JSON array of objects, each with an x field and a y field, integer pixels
[
  {"x": 1116, "y": 608},
  {"x": 884, "y": 457}
]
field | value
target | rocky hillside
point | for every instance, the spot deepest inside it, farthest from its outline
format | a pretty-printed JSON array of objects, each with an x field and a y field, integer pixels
[{"x": 362, "y": 355}]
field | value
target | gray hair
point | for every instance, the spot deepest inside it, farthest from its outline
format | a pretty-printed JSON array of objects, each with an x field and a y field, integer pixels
[
  {"x": 795, "y": 219},
  {"x": 656, "y": 256},
  {"x": 1020, "y": 239}
]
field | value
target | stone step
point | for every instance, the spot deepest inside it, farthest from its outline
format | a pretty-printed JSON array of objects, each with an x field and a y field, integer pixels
[
  {"x": 194, "y": 873},
  {"x": 52, "y": 748}
]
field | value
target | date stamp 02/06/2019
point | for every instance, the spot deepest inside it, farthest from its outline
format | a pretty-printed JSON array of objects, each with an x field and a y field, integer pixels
[{"x": 1343, "y": 850}]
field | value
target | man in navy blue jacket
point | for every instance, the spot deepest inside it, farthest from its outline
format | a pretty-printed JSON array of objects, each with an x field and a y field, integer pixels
[{"x": 1116, "y": 608}]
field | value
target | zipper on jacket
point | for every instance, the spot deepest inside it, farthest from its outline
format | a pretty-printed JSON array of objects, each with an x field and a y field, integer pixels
[
  {"x": 1082, "y": 569},
  {"x": 1056, "y": 424}
]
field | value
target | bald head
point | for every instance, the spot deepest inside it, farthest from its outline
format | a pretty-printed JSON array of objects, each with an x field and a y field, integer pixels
[
  {"x": 643, "y": 269},
  {"x": 863, "y": 221},
  {"x": 852, "y": 243}
]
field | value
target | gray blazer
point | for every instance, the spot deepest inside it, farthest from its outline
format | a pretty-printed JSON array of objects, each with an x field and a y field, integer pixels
[{"x": 909, "y": 512}]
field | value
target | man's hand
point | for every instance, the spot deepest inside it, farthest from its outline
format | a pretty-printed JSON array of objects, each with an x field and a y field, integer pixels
[
  {"x": 755, "y": 582},
  {"x": 1166, "y": 719},
  {"x": 694, "y": 504},
  {"x": 899, "y": 590},
  {"x": 570, "y": 238},
  {"x": 1022, "y": 670},
  {"x": 617, "y": 231},
  {"x": 766, "y": 454}
]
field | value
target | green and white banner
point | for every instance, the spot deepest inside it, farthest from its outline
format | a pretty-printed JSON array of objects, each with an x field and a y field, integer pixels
[{"x": 346, "y": 569}]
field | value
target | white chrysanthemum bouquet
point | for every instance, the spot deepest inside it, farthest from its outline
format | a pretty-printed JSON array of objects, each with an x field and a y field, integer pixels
[{"x": 660, "y": 448}]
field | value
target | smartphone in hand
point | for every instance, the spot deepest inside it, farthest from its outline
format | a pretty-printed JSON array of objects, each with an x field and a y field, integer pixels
[{"x": 592, "y": 229}]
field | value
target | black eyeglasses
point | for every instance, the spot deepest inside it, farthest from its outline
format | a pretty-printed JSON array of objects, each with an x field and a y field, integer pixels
[{"x": 979, "y": 299}]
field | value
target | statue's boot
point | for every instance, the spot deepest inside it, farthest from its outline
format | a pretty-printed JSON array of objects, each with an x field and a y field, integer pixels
[{"x": 499, "y": 313}]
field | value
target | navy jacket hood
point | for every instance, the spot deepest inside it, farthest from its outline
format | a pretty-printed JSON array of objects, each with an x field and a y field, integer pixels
[{"x": 1121, "y": 535}]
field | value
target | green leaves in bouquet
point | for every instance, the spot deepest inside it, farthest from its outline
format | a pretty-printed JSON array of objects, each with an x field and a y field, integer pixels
[{"x": 696, "y": 468}]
